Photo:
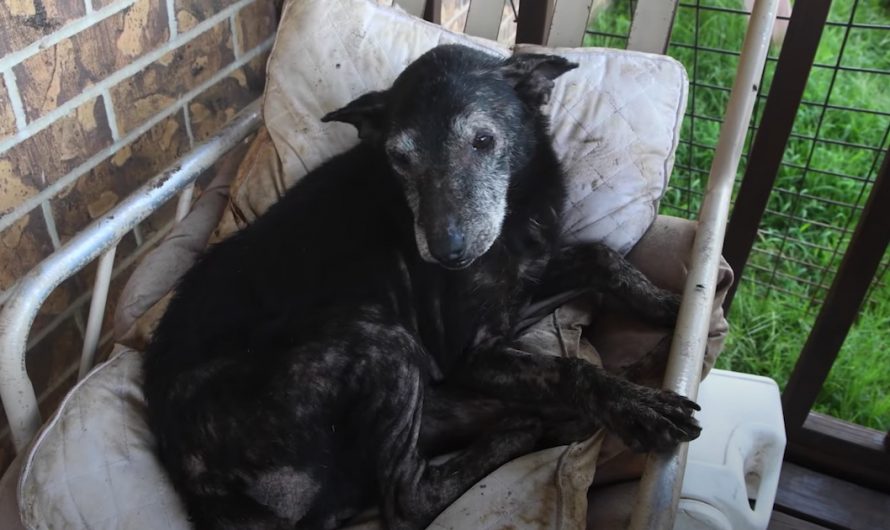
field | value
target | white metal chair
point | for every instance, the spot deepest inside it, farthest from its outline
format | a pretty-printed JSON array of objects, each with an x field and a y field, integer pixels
[{"x": 565, "y": 23}]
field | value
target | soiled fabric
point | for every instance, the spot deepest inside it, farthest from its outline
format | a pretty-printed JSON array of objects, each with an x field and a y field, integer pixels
[
  {"x": 616, "y": 121},
  {"x": 93, "y": 465}
]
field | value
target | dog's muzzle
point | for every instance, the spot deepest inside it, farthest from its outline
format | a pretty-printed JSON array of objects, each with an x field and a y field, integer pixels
[{"x": 449, "y": 246}]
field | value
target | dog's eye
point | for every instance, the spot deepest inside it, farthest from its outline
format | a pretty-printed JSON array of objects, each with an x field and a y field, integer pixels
[{"x": 482, "y": 142}]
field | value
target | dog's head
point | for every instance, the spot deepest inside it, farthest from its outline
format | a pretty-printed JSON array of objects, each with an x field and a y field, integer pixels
[{"x": 455, "y": 125}]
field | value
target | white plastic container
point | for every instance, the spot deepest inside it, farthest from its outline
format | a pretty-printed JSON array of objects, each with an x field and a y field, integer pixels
[{"x": 733, "y": 467}]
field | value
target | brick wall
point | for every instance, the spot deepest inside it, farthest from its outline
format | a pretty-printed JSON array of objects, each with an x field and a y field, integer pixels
[{"x": 97, "y": 96}]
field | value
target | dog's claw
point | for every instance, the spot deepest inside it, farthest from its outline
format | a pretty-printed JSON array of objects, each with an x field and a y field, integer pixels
[{"x": 654, "y": 420}]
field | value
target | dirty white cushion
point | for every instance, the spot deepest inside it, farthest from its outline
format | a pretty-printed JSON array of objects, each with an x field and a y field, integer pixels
[
  {"x": 615, "y": 123},
  {"x": 615, "y": 119},
  {"x": 93, "y": 465}
]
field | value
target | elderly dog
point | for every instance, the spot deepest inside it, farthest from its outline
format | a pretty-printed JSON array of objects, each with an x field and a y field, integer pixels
[{"x": 307, "y": 364}]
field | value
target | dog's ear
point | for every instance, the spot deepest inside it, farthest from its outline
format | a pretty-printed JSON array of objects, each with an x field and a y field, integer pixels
[
  {"x": 366, "y": 113},
  {"x": 532, "y": 75}
]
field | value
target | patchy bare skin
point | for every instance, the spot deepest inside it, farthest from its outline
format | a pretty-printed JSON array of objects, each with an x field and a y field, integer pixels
[{"x": 310, "y": 365}]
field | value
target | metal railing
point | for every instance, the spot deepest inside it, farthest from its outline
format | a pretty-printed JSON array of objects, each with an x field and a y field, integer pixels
[
  {"x": 660, "y": 487},
  {"x": 539, "y": 22},
  {"x": 772, "y": 270},
  {"x": 98, "y": 240},
  {"x": 827, "y": 280}
]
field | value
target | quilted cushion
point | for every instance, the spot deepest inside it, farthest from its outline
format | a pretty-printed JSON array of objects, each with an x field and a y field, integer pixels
[
  {"x": 615, "y": 125},
  {"x": 93, "y": 464},
  {"x": 615, "y": 119}
]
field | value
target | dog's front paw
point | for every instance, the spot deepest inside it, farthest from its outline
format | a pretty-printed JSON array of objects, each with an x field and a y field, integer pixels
[{"x": 647, "y": 419}]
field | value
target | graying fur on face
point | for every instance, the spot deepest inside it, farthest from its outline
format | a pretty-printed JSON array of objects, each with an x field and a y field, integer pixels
[
  {"x": 462, "y": 185},
  {"x": 403, "y": 144},
  {"x": 481, "y": 177}
]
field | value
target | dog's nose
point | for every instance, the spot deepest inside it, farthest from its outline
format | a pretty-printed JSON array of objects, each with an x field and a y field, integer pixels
[
  {"x": 449, "y": 248},
  {"x": 456, "y": 246}
]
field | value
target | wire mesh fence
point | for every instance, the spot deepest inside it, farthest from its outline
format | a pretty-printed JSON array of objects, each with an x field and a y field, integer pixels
[
  {"x": 835, "y": 150},
  {"x": 840, "y": 136},
  {"x": 832, "y": 156}
]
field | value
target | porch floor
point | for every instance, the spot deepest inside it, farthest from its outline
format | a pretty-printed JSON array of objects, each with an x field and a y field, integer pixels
[{"x": 808, "y": 500}]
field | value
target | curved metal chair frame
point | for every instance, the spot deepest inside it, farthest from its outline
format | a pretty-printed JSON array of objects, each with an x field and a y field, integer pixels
[{"x": 550, "y": 22}]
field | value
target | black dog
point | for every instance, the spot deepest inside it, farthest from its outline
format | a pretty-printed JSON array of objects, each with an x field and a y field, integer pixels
[{"x": 304, "y": 362}]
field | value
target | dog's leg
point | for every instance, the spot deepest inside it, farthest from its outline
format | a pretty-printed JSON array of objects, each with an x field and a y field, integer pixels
[
  {"x": 597, "y": 267},
  {"x": 453, "y": 418},
  {"x": 432, "y": 488},
  {"x": 388, "y": 385},
  {"x": 645, "y": 418},
  {"x": 414, "y": 491}
]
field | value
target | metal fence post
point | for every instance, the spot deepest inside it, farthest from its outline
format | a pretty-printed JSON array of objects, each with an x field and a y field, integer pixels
[
  {"x": 786, "y": 92},
  {"x": 841, "y": 307}
]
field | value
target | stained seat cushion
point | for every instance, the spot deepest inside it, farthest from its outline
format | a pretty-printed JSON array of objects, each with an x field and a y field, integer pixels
[
  {"x": 615, "y": 119},
  {"x": 615, "y": 124}
]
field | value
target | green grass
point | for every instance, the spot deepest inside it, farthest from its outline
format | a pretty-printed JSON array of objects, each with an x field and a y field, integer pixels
[{"x": 813, "y": 212}]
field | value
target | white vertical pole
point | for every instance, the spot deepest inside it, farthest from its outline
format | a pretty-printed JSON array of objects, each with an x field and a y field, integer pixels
[
  {"x": 97, "y": 312},
  {"x": 659, "y": 494}
]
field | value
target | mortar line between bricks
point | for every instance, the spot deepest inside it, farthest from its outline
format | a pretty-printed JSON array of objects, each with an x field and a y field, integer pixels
[
  {"x": 15, "y": 100},
  {"x": 171, "y": 19},
  {"x": 236, "y": 41},
  {"x": 90, "y": 19},
  {"x": 88, "y": 6},
  {"x": 110, "y": 114},
  {"x": 95, "y": 90},
  {"x": 32, "y": 202},
  {"x": 50, "y": 221}
]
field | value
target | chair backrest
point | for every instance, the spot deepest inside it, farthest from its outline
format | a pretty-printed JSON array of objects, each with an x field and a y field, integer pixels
[{"x": 557, "y": 23}]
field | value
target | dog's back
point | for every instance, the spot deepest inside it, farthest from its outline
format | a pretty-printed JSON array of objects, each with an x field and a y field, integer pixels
[
  {"x": 221, "y": 401},
  {"x": 316, "y": 243}
]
